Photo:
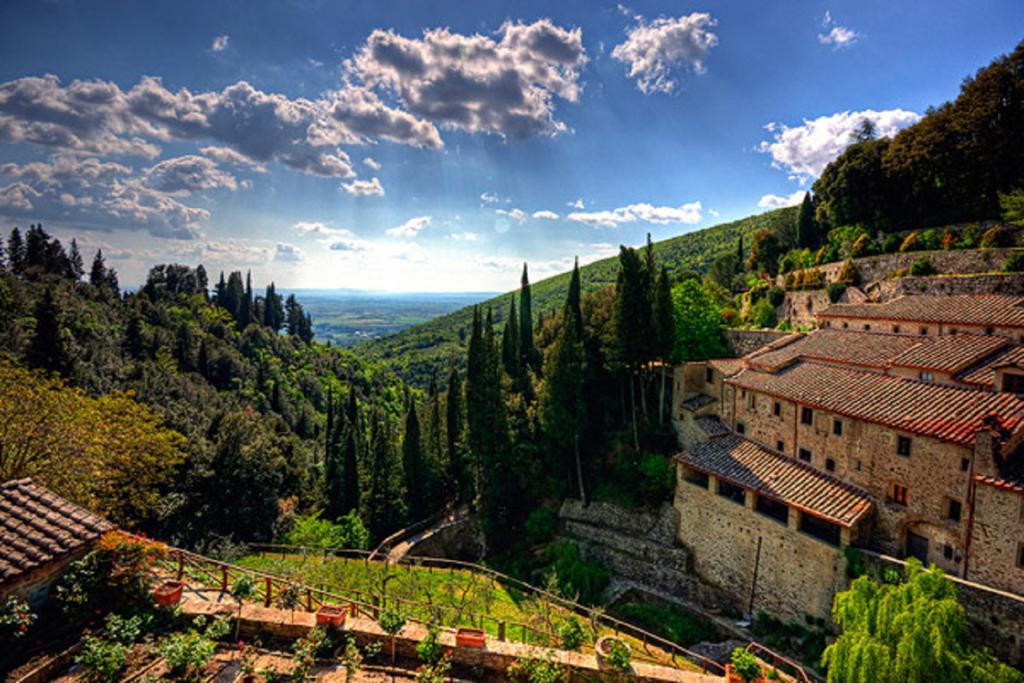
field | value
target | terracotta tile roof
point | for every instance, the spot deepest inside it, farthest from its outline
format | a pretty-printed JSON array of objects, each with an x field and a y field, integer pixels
[
  {"x": 1000, "y": 483},
  {"x": 983, "y": 373},
  {"x": 37, "y": 526},
  {"x": 942, "y": 412},
  {"x": 776, "y": 476},
  {"x": 727, "y": 366},
  {"x": 862, "y": 349},
  {"x": 949, "y": 353},
  {"x": 713, "y": 426},
  {"x": 697, "y": 402},
  {"x": 964, "y": 309}
]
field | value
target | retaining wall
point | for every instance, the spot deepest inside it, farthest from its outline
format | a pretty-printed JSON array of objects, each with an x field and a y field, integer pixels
[{"x": 742, "y": 342}]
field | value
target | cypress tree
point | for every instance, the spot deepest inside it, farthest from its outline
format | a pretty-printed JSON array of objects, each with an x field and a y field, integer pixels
[
  {"x": 134, "y": 345},
  {"x": 98, "y": 272},
  {"x": 221, "y": 292},
  {"x": 631, "y": 319},
  {"x": 334, "y": 465},
  {"x": 458, "y": 468},
  {"x": 202, "y": 281},
  {"x": 245, "y": 305},
  {"x": 383, "y": 508},
  {"x": 76, "y": 267},
  {"x": 572, "y": 302},
  {"x": 663, "y": 320},
  {"x": 531, "y": 359},
  {"x": 233, "y": 295},
  {"x": 203, "y": 361},
  {"x": 806, "y": 229},
  {"x": 16, "y": 252},
  {"x": 414, "y": 467},
  {"x": 351, "y": 483},
  {"x": 488, "y": 437},
  {"x": 435, "y": 435},
  {"x": 183, "y": 347},
  {"x": 510, "y": 357},
  {"x": 47, "y": 350}
]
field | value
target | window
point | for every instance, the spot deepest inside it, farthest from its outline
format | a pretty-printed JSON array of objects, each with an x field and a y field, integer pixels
[
  {"x": 867, "y": 328},
  {"x": 947, "y": 551},
  {"x": 805, "y": 455},
  {"x": 820, "y": 529},
  {"x": 924, "y": 330},
  {"x": 899, "y": 494},
  {"x": 752, "y": 402},
  {"x": 856, "y": 465},
  {"x": 837, "y": 427},
  {"x": 895, "y": 329},
  {"x": 780, "y": 446},
  {"x": 989, "y": 331},
  {"x": 741, "y": 428},
  {"x": 846, "y": 325},
  {"x": 1020, "y": 556},
  {"x": 952, "y": 330},
  {"x": 965, "y": 464},
  {"x": 927, "y": 376},
  {"x": 709, "y": 375},
  {"x": 903, "y": 446},
  {"x": 1013, "y": 384},
  {"x": 773, "y": 509},
  {"x": 731, "y": 491},
  {"x": 830, "y": 464},
  {"x": 777, "y": 409},
  {"x": 806, "y": 416},
  {"x": 953, "y": 510},
  {"x": 696, "y": 478}
]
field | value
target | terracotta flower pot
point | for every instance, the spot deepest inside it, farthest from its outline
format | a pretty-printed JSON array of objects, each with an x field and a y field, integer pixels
[
  {"x": 330, "y": 615},
  {"x": 470, "y": 637},
  {"x": 168, "y": 593},
  {"x": 602, "y": 648}
]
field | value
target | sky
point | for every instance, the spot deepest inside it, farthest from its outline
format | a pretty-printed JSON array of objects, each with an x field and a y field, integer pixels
[{"x": 437, "y": 146}]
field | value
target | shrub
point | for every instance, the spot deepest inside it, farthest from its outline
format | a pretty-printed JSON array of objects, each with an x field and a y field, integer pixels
[
  {"x": 969, "y": 238},
  {"x": 776, "y": 295},
  {"x": 995, "y": 237},
  {"x": 948, "y": 239},
  {"x": 864, "y": 246},
  {"x": 922, "y": 267},
  {"x": 910, "y": 242},
  {"x": 790, "y": 281},
  {"x": 102, "y": 660},
  {"x": 657, "y": 479},
  {"x": 618, "y": 655},
  {"x": 429, "y": 650},
  {"x": 536, "y": 670},
  {"x": 577, "y": 578},
  {"x": 310, "y": 530},
  {"x": 745, "y": 665},
  {"x": 570, "y": 634},
  {"x": 15, "y": 618},
  {"x": 1014, "y": 262},
  {"x": 540, "y": 525},
  {"x": 835, "y": 291},
  {"x": 891, "y": 244},
  {"x": 763, "y": 315},
  {"x": 928, "y": 240},
  {"x": 729, "y": 316},
  {"x": 187, "y": 653},
  {"x": 849, "y": 273}
]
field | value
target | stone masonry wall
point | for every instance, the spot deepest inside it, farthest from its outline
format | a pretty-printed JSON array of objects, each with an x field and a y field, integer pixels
[
  {"x": 742, "y": 342},
  {"x": 640, "y": 547},
  {"x": 998, "y": 534},
  {"x": 948, "y": 285},
  {"x": 996, "y": 618},
  {"x": 879, "y": 267}
]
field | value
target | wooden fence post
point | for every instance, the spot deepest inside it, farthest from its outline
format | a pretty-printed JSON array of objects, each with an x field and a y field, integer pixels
[
  {"x": 181, "y": 565},
  {"x": 266, "y": 598},
  {"x": 224, "y": 579},
  {"x": 309, "y": 600},
  {"x": 501, "y": 630}
]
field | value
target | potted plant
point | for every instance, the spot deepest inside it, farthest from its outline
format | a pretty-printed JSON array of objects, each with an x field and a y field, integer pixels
[
  {"x": 744, "y": 667},
  {"x": 330, "y": 616},
  {"x": 470, "y": 637},
  {"x": 168, "y": 593},
  {"x": 613, "y": 654}
]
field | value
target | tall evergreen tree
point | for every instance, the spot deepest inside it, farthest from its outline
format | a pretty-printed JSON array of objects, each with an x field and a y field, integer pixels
[
  {"x": 273, "y": 309},
  {"x": 384, "y": 509},
  {"x": 334, "y": 463},
  {"x": 664, "y": 332},
  {"x": 221, "y": 292},
  {"x": 183, "y": 347},
  {"x": 351, "y": 481},
  {"x": 573, "y": 307},
  {"x": 245, "y": 305},
  {"x": 806, "y": 228},
  {"x": 202, "y": 281},
  {"x": 16, "y": 252},
  {"x": 76, "y": 267},
  {"x": 632, "y": 319},
  {"x": 233, "y": 295},
  {"x": 510, "y": 356},
  {"x": 531, "y": 358},
  {"x": 435, "y": 436},
  {"x": 418, "y": 489},
  {"x": 46, "y": 350},
  {"x": 98, "y": 272},
  {"x": 458, "y": 466}
]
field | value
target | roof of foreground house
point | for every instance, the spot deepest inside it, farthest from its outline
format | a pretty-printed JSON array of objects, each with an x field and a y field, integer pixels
[
  {"x": 770, "y": 474},
  {"x": 942, "y": 412},
  {"x": 860, "y": 349},
  {"x": 963, "y": 309},
  {"x": 37, "y": 526}
]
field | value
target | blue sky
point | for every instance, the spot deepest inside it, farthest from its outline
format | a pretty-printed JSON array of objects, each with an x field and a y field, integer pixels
[{"x": 437, "y": 146}]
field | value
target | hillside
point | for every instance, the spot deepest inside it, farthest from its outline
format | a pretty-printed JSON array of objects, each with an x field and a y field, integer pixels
[{"x": 415, "y": 352}]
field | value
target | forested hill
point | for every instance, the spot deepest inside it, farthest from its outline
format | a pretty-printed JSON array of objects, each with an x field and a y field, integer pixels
[{"x": 414, "y": 353}]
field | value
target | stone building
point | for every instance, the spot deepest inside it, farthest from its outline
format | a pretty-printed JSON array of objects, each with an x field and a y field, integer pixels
[
  {"x": 40, "y": 534},
  {"x": 919, "y": 431}
]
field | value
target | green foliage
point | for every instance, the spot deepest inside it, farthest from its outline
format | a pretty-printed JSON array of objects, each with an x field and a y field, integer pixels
[
  {"x": 909, "y": 631},
  {"x": 698, "y": 319},
  {"x": 1014, "y": 262},
  {"x": 16, "y": 617},
  {"x": 835, "y": 291},
  {"x": 391, "y": 622},
  {"x": 429, "y": 650},
  {"x": 681, "y": 627},
  {"x": 541, "y": 525},
  {"x": 186, "y": 653},
  {"x": 763, "y": 314},
  {"x": 657, "y": 479},
  {"x": 891, "y": 244},
  {"x": 745, "y": 664},
  {"x": 805, "y": 641},
  {"x": 1012, "y": 206},
  {"x": 922, "y": 267},
  {"x": 101, "y": 660},
  {"x": 571, "y": 634},
  {"x": 312, "y": 531},
  {"x": 969, "y": 238},
  {"x": 618, "y": 655},
  {"x": 855, "y": 564},
  {"x": 776, "y": 295},
  {"x": 533, "y": 670},
  {"x": 305, "y": 651},
  {"x": 579, "y": 579},
  {"x": 996, "y": 237}
]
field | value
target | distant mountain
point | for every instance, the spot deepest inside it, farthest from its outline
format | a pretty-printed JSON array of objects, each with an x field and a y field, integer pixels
[{"x": 415, "y": 352}]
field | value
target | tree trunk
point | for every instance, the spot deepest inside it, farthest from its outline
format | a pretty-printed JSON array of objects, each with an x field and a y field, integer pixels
[
  {"x": 643, "y": 391},
  {"x": 579, "y": 467},
  {"x": 632, "y": 397}
]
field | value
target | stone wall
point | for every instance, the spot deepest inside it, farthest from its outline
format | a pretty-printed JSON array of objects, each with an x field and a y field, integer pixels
[
  {"x": 996, "y": 618},
  {"x": 742, "y": 342},
  {"x": 639, "y": 547},
  {"x": 998, "y": 537},
  {"x": 879, "y": 267},
  {"x": 948, "y": 285}
]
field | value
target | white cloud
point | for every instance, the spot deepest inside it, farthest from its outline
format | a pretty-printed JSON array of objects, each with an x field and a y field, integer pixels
[
  {"x": 317, "y": 228},
  {"x": 685, "y": 213},
  {"x": 576, "y": 204},
  {"x": 409, "y": 229},
  {"x": 347, "y": 245},
  {"x": 803, "y": 151},
  {"x": 474, "y": 82},
  {"x": 220, "y": 43},
  {"x": 372, "y": 163},
  {"x": 545, "y": 214},
  {"x": 464, "y": 236},
  {"x": 491, "y": 198},
  {"x": 837, "y": 36},
  {"x": 517, "y": 215},
  {"x": 188, "y": 174},
  {"x": 774, "y": 201},
  {"x": 364, "y": 188},
  {"x": 713, "y": 213},
  {"x": 288, "y": 253},
  {"x": 226, "y": 155},
  {"x": 18, "y": 196},
  {"x": 654, "y": 50}
]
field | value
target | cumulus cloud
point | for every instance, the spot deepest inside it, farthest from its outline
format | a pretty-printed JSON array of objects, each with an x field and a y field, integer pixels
[
  {"x": 220, "y": 43},
  {"x": 357, "y": 115},
  {"x": 347, "y": 245},
  {"x": 474, "y": 82},
  {"x": 226, "y": 155},
  {"x": 654, "y": 51},
  {"x": 317, "y": 228},
  {"x": 66, "y": 169},
  {"x": 686, "y": 213},
  {"x": 188, "y": 173},
  {"x": 774, "y": 201},
  {"x": 409, "y": 229},
  {"x": 492, "y": 198},
  {"x": 18, "y": 196},
  {"x": 364, "y": 188},
  {"x": 548, "y": 215},
  {"x": 804, "y": 151},
  {"x": 517, "y": 215},
  {"x": 372, "y": 163},
  {"x": 576, "y": 204},
  {"x": 287, "y": 253},
  {"x": 835, "y": 35}
]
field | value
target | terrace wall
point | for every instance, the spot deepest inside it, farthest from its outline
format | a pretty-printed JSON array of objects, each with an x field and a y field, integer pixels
[
  {"x": 879, "y": 267},
  {"x": 742, "y": 342}
]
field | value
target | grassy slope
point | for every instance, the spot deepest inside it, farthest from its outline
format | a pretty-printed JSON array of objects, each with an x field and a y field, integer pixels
[{"x": 414, "y": 352}]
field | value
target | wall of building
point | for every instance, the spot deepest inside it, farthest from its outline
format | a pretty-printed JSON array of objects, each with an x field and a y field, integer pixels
[
  {"x": 797, "y": 575},
  {"x": 742, "y": 342},
  {"x": 997, "y": 535},
  {"x": 918, "y": 329}
]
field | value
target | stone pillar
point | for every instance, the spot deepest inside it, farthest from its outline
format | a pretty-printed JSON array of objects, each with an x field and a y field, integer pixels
[{"x": 793, "y": 521}]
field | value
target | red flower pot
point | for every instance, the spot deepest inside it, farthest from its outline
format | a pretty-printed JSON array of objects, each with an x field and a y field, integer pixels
[
  {"x": 470, "y": 637},
  {"x": 330, "y": 615},
  {"x": 168, "y": 593}
]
